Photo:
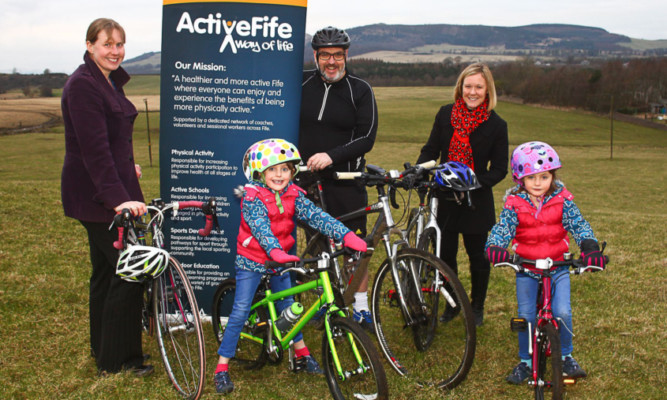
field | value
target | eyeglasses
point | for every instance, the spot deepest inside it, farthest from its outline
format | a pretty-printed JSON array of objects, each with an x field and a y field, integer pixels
[{"x": 324, "y": 56}]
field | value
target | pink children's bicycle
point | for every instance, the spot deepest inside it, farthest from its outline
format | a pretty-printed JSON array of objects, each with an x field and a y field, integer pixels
[{"x": 544, "y": 338}]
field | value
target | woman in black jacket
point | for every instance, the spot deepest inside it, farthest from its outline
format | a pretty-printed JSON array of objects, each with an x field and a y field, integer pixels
[{"x": 469, "y": 131}]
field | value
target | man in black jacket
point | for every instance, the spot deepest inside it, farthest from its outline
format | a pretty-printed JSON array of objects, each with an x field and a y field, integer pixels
[{"x": 338, "y": 127}]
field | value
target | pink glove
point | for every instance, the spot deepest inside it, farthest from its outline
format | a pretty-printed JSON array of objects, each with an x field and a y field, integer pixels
[
  {"x": 280, "y": 256},
  {"x": 354, "y": 242},
  {"x": 496, "y": 254}
]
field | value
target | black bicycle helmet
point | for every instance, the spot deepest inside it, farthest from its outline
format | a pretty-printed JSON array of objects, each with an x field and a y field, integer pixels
[
  {"x": 330, "y": 37},
  {"x": 457, "y": 176}
]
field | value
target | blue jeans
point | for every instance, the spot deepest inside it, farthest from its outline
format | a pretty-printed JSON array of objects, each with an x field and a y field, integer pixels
[
  {"x": 526, "y": 297},
  {"x": 246, "y": 286}
]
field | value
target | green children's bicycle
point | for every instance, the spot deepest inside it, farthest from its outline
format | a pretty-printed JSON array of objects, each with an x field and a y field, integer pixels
[{"x": 351, "y": 363}]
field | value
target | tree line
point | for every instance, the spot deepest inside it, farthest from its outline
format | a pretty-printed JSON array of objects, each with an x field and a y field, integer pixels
[
  {"x": 33, "y": 85},
  {"x": 631, "y": 85}
]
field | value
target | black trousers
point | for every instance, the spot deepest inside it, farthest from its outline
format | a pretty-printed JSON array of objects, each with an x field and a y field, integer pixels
[
  {"x": 480, "y": 269},
  {"x": 341, "y": 199},
  {"x": 115, "y": 305}
]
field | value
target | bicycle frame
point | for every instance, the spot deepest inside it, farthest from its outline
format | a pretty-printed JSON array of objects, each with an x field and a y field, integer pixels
[
  {"x": 430, "y": 213},
  {"x": 383, "y": 229},
  {"x": 326, "y": 299},
  {"x": 544, "y": 317}
]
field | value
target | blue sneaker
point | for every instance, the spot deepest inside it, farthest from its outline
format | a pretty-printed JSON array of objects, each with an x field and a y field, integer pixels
[
  {"x": 365, "y": 319},
  {"x": 223, "y": 383},
  {"x": 519, "y": 374},
  {"x": 572, "y": 369},
  {"x": 308, "y": 364}
]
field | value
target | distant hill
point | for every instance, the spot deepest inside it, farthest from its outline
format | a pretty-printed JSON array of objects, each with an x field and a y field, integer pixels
[{"x": 434, "y": 43}]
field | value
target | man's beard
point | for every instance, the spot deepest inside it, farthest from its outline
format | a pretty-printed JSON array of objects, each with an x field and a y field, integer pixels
[{"x": 339, "y": 75}]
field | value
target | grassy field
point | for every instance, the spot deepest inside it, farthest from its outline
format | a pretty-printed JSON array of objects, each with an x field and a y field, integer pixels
[{"x": 620, "y": 339}]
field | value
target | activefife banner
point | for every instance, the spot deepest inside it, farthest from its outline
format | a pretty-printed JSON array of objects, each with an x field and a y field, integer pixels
[{"x": 230, "y": 75}]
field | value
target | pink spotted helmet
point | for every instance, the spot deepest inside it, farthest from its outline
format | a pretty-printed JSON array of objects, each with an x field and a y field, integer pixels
[
  {"x": 267, "y": 153},
  {"x": 532, "y": 158}
]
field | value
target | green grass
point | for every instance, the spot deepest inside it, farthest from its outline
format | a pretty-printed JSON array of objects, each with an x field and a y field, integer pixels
[
  {"x": 143, "y": 85},
  {"x": 620, "y": 333}
]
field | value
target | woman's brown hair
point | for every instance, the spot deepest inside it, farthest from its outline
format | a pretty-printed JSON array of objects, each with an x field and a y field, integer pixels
[
  {"x": 552, "y": 187},
  {"x": 103, "y": 24}
]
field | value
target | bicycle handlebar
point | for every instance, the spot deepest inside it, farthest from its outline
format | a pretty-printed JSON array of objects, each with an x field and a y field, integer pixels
[
  {"x": 298, "y": 266},
  {"x": 516, "y": 262},
  {"x": 207, "y": 208},
  {"x": 124, "y": 218},
  {"x": 419, "y": 168}
]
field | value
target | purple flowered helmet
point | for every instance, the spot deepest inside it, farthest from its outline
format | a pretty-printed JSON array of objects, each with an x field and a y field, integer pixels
[
  {"x": 267, "y": 153},
  {"x": 532, "y": 158}
]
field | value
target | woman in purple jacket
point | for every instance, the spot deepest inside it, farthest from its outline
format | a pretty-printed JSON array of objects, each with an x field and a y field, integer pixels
[{"x": 99, "y": 178}]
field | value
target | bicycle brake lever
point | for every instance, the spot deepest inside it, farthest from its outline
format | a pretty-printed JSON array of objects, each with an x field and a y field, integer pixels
[{"x": 392, "y": 197}]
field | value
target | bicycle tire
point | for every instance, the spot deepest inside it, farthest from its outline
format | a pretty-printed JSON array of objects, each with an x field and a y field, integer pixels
[
  {"x": 411, "y": 231},
  {"x": 306, "y": 244},
  {"x": 549, "y": 374},
  {"x": 249, "y": 354},
  {"x": 366, "y": 382},
  {"x": 447, "y": 359},
  {"x": 425, "y": 331},
  {"x": 427, "y": 241},
  {"x": 178, "y": 331}
]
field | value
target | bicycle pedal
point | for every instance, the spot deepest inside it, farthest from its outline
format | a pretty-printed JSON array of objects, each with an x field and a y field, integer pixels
[{"x": 518, "y": 324}]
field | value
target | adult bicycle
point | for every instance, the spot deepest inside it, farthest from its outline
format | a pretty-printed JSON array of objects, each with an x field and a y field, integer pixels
[
  {"x": 352, "y": 366},
  {"x": 410, "y": 287},
  {"x": 544, "y": 338},
  {"x": 170, "y": 309}
]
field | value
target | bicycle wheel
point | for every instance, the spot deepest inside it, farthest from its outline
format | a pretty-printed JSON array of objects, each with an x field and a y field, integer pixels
[
  {"x": 178, "y": 330},
  {"x": 362, "y": 375},
  {"x": 442, "y": 360},
  {"x": 250, "y": 354},
  {"x": 549, "y": 374}
]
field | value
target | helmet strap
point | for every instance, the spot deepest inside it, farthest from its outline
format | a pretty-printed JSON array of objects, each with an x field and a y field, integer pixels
[
  {"x": 279, "y": 202},
  {"x": 540, "y": 202}
]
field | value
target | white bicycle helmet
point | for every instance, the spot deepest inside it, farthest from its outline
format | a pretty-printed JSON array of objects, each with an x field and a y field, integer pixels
[{"x": 139, "y": 263}]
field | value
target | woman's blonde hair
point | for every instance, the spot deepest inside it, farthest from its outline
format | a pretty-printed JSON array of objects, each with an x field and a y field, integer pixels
[
  {"x": 473, "y": 69},
  {"x": 103, "y": 24}
]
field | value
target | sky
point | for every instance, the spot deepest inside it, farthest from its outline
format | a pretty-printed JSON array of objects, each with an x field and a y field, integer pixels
[{"x": 39, "y": 35}]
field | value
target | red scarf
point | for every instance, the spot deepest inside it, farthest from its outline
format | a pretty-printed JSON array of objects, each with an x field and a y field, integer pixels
[{"x": 464, "y": 123}]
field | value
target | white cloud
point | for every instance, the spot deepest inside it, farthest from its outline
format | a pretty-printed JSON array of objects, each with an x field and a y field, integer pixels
[{"x": 51, "y": 34}]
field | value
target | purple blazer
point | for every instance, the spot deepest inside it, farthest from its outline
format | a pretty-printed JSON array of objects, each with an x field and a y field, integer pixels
[{"x": 98, "y": 172}]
